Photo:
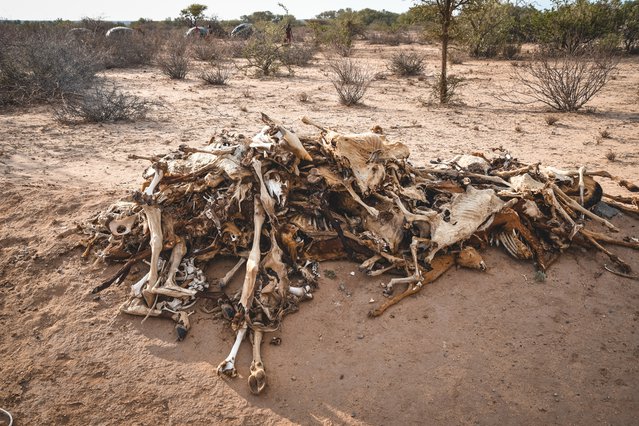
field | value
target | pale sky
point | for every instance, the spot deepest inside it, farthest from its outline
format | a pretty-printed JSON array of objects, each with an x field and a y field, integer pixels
[{"x": 132, "y": 10}]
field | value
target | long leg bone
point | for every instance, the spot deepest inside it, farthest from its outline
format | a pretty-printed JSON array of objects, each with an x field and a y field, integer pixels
[
  {"x": 157, "y": 177},
  {"x": 440, "y": 264},
  {"x": 154, "y": 221},
  {"x": 227, "y": 367},
  {"x": 575, "y": 206},
  {"x": 253, "y": 263},
  {"x": 230, "y": 274},
  {"x": 349, "y": 187},
  {"x": 257, "y": 379},
  {"x": 550, "y": 196},
  {"x": 623, "y": 265}
]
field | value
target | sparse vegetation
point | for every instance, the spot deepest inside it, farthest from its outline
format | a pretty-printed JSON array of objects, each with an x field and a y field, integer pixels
[
  {"x": 551, "y": 119},
  {"x": 350, "y": 80},
  {"x": 204, "y": 50},
  {"x": 297, "y": 54},
  {"x": 216, "y": 74},
  {"x": 611, "y": 155},
  {"x": 101, "y": 103},
  {"x": 565, "y": 82},
  {"x": 453, "y": 83},
  {"x": 43, "y": 67},
  {"x": 174, "y": 62},
  {"x": 406, "y": 64},
  {"x": 605, "y": 134},
  {"x": 303, "y": 97},
  {"x": 262, "y": 51},
  {"x": 132, "y": 50}
]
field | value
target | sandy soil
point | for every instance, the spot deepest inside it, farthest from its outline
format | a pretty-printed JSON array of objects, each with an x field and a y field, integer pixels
[{"x": 472, "y": 348}]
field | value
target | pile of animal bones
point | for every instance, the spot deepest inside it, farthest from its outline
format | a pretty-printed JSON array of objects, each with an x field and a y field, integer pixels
[{"x": 281, "y": 204}]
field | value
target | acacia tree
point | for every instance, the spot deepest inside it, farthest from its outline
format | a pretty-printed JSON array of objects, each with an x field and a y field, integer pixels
[
  {"x": 445, "y": 11},
  {"x": 193, "y": 13}
]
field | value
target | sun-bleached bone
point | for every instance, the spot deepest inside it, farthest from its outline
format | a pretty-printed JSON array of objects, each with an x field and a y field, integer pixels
[
  {"x": 257, "y": 379},
  {"x": 154, "y": 222},
  {"x": 371, "y": 210},
  {"x": 267, "y": 202},
  {"x": 511, "y": 242},
  {"x": 223, "y": 282},
  {"x": 227, "y": 367},
  {"x": 473, "y": 163},
  {"x": 253, "y": 262},
  {"x": 125, "y": 222},
  {"x": 575, "y": 206},
  {"x": 291, "y": 141},
  {"x": 303, "y": 292},
  {"x": 157, "y": 177},
  {"x": 135, "y": 306},
  {"x": 136, "y": 289}
]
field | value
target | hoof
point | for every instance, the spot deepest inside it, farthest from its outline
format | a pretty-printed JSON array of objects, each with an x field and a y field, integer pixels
[{"x": 257, "y": 379}]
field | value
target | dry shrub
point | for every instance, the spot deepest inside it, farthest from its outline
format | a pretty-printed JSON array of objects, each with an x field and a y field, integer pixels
[
  {"x": 551, "y": 119},
  {"x": 234, "y": 48},
  {"x": 388, "y": 38},
  {"x": 216, "y": 74},
  {"x": 129, "y": 50},
  {"x": 455, "y": 57},
  {"x": 43, "y": 66},
  {"x": 453, "y": 83},
  {"x": 262, "y": 52},
  {"x": 406, "y": 64},
  {"x": 101, "y": 103},
  {"x": 297, "y": 54},
  {"x": 202, "y": 50},
  {"x": 174, "y": 61},
  {"x": 565, "y": 82},
  {"x": 350, "y": 80}
]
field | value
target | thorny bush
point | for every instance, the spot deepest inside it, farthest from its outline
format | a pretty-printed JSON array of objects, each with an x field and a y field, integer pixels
[
  {"x": 216, "y": 74},
  {"x": 406, "y": 64},
  {"x": 43, "y": 66},
  {"x": 565, "y": 81},
  {"x": 350, "y": 80},
  {"x": 174, "y": 61},
  {"x": 101, "y": 103}
]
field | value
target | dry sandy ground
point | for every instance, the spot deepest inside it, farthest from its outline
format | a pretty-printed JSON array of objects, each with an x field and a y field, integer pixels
[{"x": 472, "y": 348}]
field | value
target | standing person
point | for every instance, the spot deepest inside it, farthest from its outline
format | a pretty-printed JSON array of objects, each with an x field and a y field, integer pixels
[{"x": 289, "y": 33}]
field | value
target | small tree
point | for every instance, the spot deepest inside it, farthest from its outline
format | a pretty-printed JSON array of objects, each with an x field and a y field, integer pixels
[
  {"x": 446, "y": 14},
  {"x": 630, "y": 25},
  {"x": 192, "y": 13},
  {"x": 486, "y": 27}
]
